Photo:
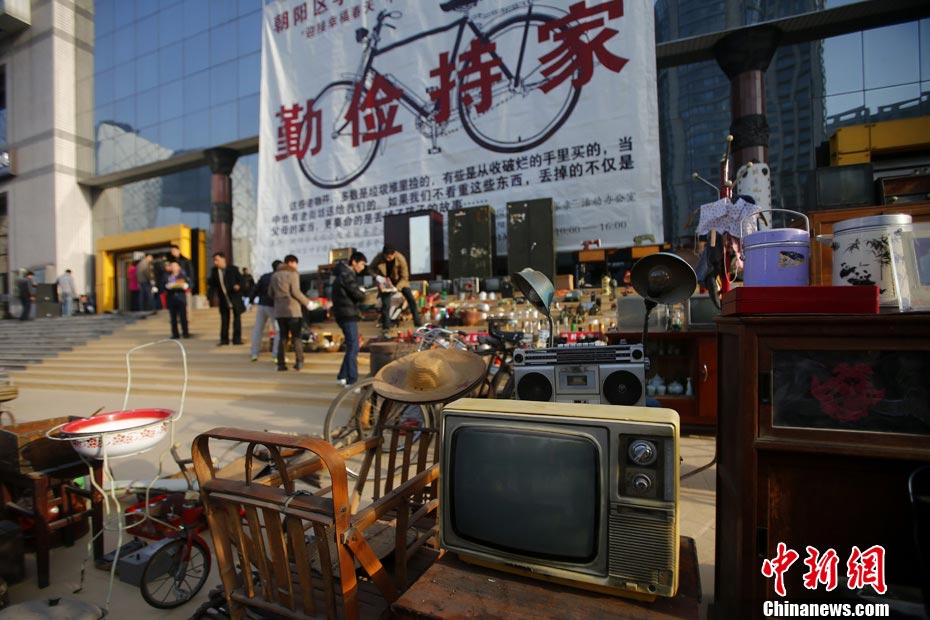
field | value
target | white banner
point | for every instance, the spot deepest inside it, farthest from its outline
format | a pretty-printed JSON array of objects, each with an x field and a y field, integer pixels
[{"x": 372, "y": 107}]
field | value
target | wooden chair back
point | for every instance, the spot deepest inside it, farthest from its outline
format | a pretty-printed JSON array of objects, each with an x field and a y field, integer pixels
[{"x": 296, "y": 552}]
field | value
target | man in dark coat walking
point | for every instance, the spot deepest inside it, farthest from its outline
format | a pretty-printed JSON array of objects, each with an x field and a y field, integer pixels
[
  {"x": 27, "y": 295},
  {"x": 347, "y": 295},
  {"x": 225, "y": 283}
]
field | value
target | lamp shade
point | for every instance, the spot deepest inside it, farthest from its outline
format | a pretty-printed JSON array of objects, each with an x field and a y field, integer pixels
[
  {"x": 664, "y": 278},
  {"x": 536, "y": 287}
]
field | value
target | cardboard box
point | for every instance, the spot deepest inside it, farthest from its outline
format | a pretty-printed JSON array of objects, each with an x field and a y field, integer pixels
[{"x": 564, "y": 282}]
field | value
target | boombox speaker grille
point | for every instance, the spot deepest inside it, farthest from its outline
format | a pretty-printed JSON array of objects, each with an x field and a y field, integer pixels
[
  {"x": 534, "y": 386},
  {"x": 622, "y": 387}
]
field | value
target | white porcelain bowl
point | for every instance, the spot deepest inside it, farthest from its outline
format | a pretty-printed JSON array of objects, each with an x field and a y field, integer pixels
[{"x": 119, "y": 433}]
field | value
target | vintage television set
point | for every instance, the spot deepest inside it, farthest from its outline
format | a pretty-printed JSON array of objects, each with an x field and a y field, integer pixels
[
  {"x": 702, "y": 311},
  {"x": 584, "y": 495}
]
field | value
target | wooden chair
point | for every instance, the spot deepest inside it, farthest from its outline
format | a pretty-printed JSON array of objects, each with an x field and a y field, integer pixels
[{"x": 302, "y": 553}]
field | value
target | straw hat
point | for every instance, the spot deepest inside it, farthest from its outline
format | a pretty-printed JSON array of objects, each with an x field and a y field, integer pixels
[{"x": 432, "y": 376}]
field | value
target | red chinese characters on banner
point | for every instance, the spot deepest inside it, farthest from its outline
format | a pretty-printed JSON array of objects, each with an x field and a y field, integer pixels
[
  {"x": 298, "y": 127},
  {"x": 777, "y": 566},
  {"x": 578, "y": 48},
  {"x": 866, "y": 568},
  {"x": 378, "y": 109},
  {"x": 821, "y": 569},
  {"x": 479, "y": 59},
  {"x": 442, "y": 94}
]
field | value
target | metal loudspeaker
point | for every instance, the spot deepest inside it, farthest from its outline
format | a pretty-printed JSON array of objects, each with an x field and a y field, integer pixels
[{"x": 663, "y": 278}]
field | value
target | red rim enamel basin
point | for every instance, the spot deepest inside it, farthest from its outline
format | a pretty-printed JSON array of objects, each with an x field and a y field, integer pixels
[{"x": 116, "y": 421}]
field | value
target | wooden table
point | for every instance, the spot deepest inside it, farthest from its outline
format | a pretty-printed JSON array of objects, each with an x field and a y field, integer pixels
[
  {"x": 451, "y": 590},
  {"x": 59, "y": 480}
]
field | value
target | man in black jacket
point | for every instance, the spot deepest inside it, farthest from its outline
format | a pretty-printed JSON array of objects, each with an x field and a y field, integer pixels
[
  {"x": 347, "y": 295},
  {"x": 225, "y": 282},
  {"x": 27, "y": 295}
]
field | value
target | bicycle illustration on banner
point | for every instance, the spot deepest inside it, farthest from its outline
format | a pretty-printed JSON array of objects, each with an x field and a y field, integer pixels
[{"x": 510, "y": 87}]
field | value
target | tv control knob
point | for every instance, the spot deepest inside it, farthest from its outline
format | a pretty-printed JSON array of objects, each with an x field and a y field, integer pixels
[
  {"x": 518, "y": 357},
  {"x": 641, "y": 483},
  {"x": 636, "y": 354},
  {"x": 643, "y": 452}
]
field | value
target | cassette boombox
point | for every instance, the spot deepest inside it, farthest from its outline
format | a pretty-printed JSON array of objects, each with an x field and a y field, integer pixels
[{"x": 582, "y": 373}]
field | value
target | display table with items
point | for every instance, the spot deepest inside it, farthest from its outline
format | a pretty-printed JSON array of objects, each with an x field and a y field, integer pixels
[
  {"x": 824, "y": 426},
  {"x": 451, "y": 588}
]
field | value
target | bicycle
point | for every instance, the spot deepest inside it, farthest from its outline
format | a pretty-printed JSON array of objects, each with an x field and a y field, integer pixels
[
  {"x": 179, "y": 568},
  {"x": 337, "y": 157}
]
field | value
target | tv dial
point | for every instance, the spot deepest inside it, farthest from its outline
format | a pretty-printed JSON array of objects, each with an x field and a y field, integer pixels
[
  {"x": 642, "y": 452},
  {"x": 642, "y": 483}
]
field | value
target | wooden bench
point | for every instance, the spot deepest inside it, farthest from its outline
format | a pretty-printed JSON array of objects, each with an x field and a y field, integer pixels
[{"x": 314, "y": 553}]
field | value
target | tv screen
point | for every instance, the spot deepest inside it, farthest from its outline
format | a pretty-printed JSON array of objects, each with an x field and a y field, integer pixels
[
  {"x": 702, "y": 311},
  {"x": 532, "y": 493}
]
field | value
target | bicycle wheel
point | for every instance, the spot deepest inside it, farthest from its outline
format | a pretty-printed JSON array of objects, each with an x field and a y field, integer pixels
[
  {"x": 337, "y": 163},
  {"x": 352, "y": 416},
  {"x": 170, "y": 579},
  {"x": 521, "y": 115}
]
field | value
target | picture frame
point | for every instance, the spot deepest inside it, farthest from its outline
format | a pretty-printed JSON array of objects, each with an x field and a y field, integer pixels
[{"x": 913, "y": 276}]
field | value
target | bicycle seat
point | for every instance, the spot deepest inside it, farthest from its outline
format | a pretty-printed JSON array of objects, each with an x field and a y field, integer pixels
[
  {"x": 457, "y": 5},
  {"x": 511, "y": 337}
]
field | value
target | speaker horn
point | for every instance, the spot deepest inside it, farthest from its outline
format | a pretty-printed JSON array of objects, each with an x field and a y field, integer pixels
[{"x": 663, "y": 278}]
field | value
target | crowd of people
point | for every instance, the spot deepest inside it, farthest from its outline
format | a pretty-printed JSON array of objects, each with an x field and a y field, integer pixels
[{"x": 168, "y": 281}]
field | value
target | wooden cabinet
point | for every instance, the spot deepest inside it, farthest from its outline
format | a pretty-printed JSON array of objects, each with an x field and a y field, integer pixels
[
  {"x": 822, "y": 421},
  {"x": 677, "y": 356}
]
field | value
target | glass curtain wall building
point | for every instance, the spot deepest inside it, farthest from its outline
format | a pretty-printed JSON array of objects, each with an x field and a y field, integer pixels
[
  {"x": 811, "y": 90},
  {"x": 173, "y": 76}
]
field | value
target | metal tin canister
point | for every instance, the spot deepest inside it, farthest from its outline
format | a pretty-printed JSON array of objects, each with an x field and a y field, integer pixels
[
  {"x": 862, "y": 254},
  {"x": 777, "y": 256}
]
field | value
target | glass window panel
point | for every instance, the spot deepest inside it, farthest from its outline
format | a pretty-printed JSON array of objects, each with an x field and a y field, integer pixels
[
  {"x": 891, "y": 55},
  {"x": 104, "y": 18},
  {"x": 196, "y": 91},
  {"x": 147, "y": 35},
  {"x": 845, "y": 109},
  {"x": 172, "y": 134},
  {"x": 125, "y": 79},
  {"x": 103, "y": 113},
  {"x": 171, "y": 63},
  {"x": 169, "y": 24},
  {"x": 250, "y": 33},
  {"x": 842, "y": 63},
  {"x": 196, "y": 53},
  {"x": 151, "y": 136},
  {"x": 125, "y": 111},
  {"x": 224, "y": 123},
  {"x": 248, "y": 116},
  {"x": 197, "y": 130},
  {"x": 103, "y": 53},
  {"x": 145, "y": 7},
  {"x": 925, "y": 49},
  {"x": 223, "y": 43},
  {"x": 171, "y": 100},
  {"x": 147, "y": 72},
  {"x": 196, "y": 17},
  {"x": 894, "y": 102},
  {"x": 124, "y": 13},
  {"x": 147, "y": 108},
  {"x": 223, "y": 83},
  {"x": 221, "y": 11},
  {"x": 250, "y": 74},
  {"x": 104, "y": 83},
  {"x": 125, "y": 43},
  {"x": 248, "y": 6}
]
